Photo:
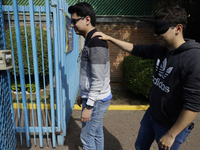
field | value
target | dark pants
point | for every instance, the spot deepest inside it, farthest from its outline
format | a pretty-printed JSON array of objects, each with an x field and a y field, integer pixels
[{"x": 150, "y": 131}]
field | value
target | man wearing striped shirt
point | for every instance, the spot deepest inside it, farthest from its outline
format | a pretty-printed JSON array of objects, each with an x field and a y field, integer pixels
[{"x": 95, "y": 91}]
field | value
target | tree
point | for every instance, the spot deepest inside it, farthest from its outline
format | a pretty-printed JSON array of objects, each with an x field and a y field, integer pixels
[{"x": 193, "y": 11}]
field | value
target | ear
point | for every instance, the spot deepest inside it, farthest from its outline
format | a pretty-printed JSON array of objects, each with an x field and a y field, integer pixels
[
  {"x": 88, "y": 20},
  {"x": 179, "y": 29}
]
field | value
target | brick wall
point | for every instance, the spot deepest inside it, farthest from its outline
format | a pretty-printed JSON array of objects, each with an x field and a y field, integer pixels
[{"x": 134, "y": 31}]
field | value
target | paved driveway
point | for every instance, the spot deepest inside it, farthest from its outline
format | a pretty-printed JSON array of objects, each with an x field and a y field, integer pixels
[{"x": 120, "y": 129}]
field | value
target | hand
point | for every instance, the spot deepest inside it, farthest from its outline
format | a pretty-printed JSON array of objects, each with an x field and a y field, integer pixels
[
  {"x": 86, "y": 114},
  {"x": 79, "y": 101},
  {"x": 102, "y": 36},
  {"x": 166, "y": 141}
]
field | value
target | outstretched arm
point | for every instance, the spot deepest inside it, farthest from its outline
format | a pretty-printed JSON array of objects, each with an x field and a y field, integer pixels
[
  {"x": 184, "y": 119},
  {"x": 128, "y": 47}
]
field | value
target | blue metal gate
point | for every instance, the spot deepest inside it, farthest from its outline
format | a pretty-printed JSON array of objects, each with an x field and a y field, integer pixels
[
  {"x": 7, "y": 128},
  {"x": 63, "y": 70}
]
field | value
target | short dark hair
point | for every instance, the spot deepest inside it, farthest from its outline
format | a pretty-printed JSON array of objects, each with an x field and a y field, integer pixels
[
  {"x": 174, "y": 14},
  {"x": 83, "y": 9}
]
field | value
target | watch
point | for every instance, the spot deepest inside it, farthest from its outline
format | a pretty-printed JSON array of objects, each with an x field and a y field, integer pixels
[{"x": 89, "y": 107}]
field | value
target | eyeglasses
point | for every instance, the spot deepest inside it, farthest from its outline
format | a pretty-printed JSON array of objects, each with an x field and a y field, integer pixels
[{"x": 74, "y": 21}]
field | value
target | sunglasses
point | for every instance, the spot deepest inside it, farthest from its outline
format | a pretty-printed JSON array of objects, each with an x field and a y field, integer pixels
[{"x": 74, "y": 21}]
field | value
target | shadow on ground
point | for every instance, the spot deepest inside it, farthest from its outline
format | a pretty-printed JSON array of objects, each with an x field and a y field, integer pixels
[{"x": 72, "y": 140}]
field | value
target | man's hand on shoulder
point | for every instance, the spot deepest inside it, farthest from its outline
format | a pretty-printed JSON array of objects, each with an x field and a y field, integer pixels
[
  {"x": 101, "y": 35},
  {"x": 126, "y": 46}
]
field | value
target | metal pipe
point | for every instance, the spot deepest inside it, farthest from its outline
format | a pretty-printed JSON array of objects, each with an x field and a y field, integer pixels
[
  {"x": 36, "y": 71},
  {"x": 21, "y": 68}
]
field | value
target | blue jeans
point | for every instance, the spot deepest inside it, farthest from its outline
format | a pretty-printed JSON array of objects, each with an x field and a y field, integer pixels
[
  {"x": 150, "y": 130},
  {"x": 92, "y": 136}
]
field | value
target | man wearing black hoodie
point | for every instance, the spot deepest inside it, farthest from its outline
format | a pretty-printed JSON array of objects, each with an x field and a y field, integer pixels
[{"x": 175, "y": 94}]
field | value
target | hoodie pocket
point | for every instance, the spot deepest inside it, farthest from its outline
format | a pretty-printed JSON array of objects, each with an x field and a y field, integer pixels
[
  {"x": 158, "y": 108},
  {"x": 162, "y": 106}
]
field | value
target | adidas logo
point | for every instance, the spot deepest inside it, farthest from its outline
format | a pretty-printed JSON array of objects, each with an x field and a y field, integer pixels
[
  {"x": 162, "y": 71},
  {"x": 161, "y": 85}
]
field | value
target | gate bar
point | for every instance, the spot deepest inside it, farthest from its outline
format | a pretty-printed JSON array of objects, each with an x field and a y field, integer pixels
[
  {"x": 62, "y": 81},
  {"x": 26, "y": 8},
  {"x": 63, "y": 54},
  {"x": 36, "y": 73},
  {"x": 13, "y": 59},
  {"x": 50, "y": 71},
  {"x": 44, "y": 83},
  {"x": 36, "y": 129},
  {"x": 29, "y": 72},
  {"x": 21, "y": 69},
  {"x": 57, "y": 65},
  {"x": 65, "y": 99}
]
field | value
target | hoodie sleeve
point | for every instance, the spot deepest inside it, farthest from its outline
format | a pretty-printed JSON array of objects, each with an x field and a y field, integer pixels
[
  {"x": 98, "y": 57},
  {"x": 146, "y": 51},
  {"x": 191, "y": 81}
]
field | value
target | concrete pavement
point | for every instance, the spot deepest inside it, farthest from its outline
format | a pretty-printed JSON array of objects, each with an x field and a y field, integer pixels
[{"x": 120, "y": 129}]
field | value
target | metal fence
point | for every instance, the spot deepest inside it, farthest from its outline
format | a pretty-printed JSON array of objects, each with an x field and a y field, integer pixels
[
  {"x": 47, "y": 110},
  {"x": 136, "y": 8},
  {"x": 7, "y": 128}
]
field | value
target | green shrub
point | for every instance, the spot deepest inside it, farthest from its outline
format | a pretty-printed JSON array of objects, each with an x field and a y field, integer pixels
[
  {"x": 13, "y": 87},
  {"x": 24, "y": 52},
  {"x": 29, "y": 89},
  {"x": 138, "y": 74},
  {"x": 27, "y": 86}
]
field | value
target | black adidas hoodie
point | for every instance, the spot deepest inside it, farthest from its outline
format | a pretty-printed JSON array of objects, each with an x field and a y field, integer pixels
[{"x": 176, "y": 80}]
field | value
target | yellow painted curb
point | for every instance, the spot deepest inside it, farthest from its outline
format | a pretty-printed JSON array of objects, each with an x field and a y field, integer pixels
[
  {"x": 29, "y": 106},
  {"x": 120, "y": 107},
  {"x": 76, "y": 107}
]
